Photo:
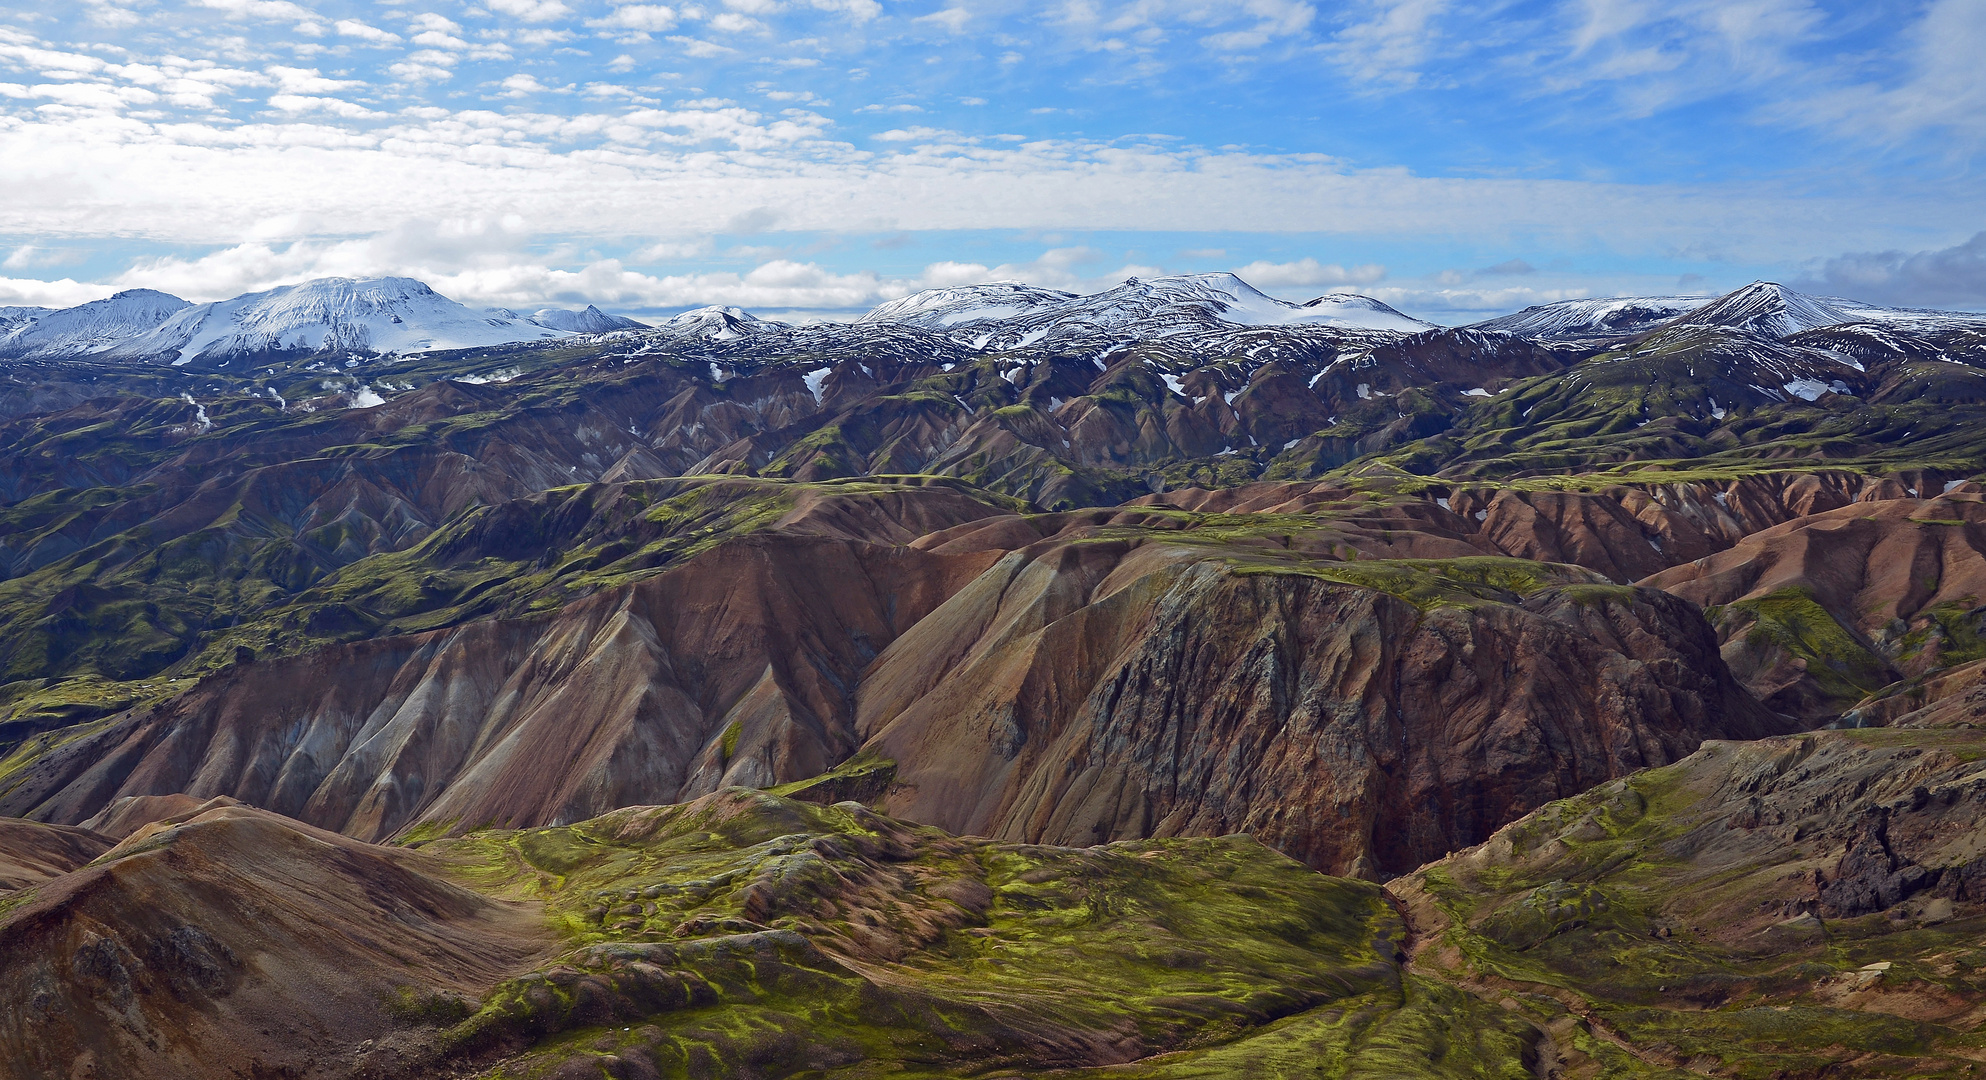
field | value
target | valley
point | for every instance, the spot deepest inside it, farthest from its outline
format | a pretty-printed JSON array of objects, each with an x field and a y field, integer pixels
[{"x": 1166, "y": 682}]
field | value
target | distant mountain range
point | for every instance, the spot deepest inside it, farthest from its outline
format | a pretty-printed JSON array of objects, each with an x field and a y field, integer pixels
[
  {"x": 330, "y": 316},
  {"x": 400, "y": 317}
]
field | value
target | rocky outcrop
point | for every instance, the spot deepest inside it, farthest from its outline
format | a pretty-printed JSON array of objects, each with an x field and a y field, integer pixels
[{"x": 1737, "y": 910}]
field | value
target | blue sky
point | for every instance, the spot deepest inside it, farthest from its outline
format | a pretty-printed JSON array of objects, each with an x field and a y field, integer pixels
[{"x": 813, "y": 157}]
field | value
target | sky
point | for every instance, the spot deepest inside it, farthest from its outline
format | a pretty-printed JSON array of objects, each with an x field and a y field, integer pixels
[{"x": 812, "y": 158}]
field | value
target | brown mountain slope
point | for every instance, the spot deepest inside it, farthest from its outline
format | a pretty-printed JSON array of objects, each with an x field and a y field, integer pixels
[
  {"x": 31, "y": 852},
  {"x": 740, "y": 935},
  {"x": 1822, "y": 610},
  {"x": 737, "y": 668},
  {"x": 239, "y": 943}
]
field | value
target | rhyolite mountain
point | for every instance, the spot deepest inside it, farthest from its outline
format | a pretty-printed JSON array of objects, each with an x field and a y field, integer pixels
[{"x": 1004, "y": 681}]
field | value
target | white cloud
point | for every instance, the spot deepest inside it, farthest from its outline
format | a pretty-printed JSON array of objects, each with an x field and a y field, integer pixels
[
  {"x": 953, "y": 19},
  {"x": 417, "y": 70},
  {"x": 428, "y": 20},
  {"x": 278, "y": 10},
  {"x": 109, "y": 13},
  {"x": 701, "y": 49},
  {"x": 308, "y": 81},
  {"x": 524, "y": 85},
  {"x": 531, "y": 10},
  {"x": 27, "y": 292},
  {"x": 858, "y": 11},
  {"x": 1939, "y": 87},
  {"x": 642, "y": 18},
  {"x": 1308, "y": 272},
  {"x": 436, "y": 39},
  {"x": 695, "y": 167},
  {"x": 356, "y": 29},
  {"x": 1390, "y": 40},
  {"x": 302, "y": 103},
  {"x": 914, "y": 134}
]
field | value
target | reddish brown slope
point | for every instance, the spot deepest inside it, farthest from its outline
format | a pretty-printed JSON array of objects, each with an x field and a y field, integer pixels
[
  {"x": 1063, "y": 677},
  {"x": 31, "y": 852},
  {"x": 736, "y": 668},
  {"x": 1823, "y": 609},
  {"x": 241, "y": 944}
]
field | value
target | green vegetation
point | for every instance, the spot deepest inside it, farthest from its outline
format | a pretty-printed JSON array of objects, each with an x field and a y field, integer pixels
[
  {"x": 1431, "y": 583},
  {"x": 97, "y": 630},
  {"x": 1791, "y": 622},
  {"x": 747, "y": 931}
]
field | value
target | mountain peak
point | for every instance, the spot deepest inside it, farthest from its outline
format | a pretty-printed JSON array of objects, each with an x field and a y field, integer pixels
[
  {"x": 1767, "y": 307},
  {"x": 938, "y": 309}
]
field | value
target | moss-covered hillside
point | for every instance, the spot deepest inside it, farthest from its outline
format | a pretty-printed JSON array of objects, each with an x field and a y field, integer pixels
[{"x": 750, "y": 935}]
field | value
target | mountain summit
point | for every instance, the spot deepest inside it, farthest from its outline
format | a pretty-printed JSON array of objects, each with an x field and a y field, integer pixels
[{"x": 1767, "y": 307}]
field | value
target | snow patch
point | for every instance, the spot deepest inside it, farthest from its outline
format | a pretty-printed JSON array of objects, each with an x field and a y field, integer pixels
[{"x": 814, "y": 380}]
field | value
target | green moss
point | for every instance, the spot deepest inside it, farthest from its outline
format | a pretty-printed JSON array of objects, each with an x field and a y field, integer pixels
[
  {"x": 1794, "y": 621},
  {"x": 751, "y": 932},
  {"x": 1431, "y": 583}
]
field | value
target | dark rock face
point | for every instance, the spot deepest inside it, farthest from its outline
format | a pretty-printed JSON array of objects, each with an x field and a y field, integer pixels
[{"x": 1870, "y": 877}]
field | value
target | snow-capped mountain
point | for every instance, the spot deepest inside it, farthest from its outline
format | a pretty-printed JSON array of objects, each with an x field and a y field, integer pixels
[
  {"x": 1351, "y": 309},
  {"x": 966, "y": 305},
  {"x": 380, "y": 317},
  {"x": 1006, "y": 316},
  {"x": 1763, "y": 307},
  {"x": 93, "y": 328},
  {"x": 591, "y": 320},
  {"x": 1767, "y": 307},
  {"x": 715, "y": 323},
  {"x": 1572, "y": 319}
]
